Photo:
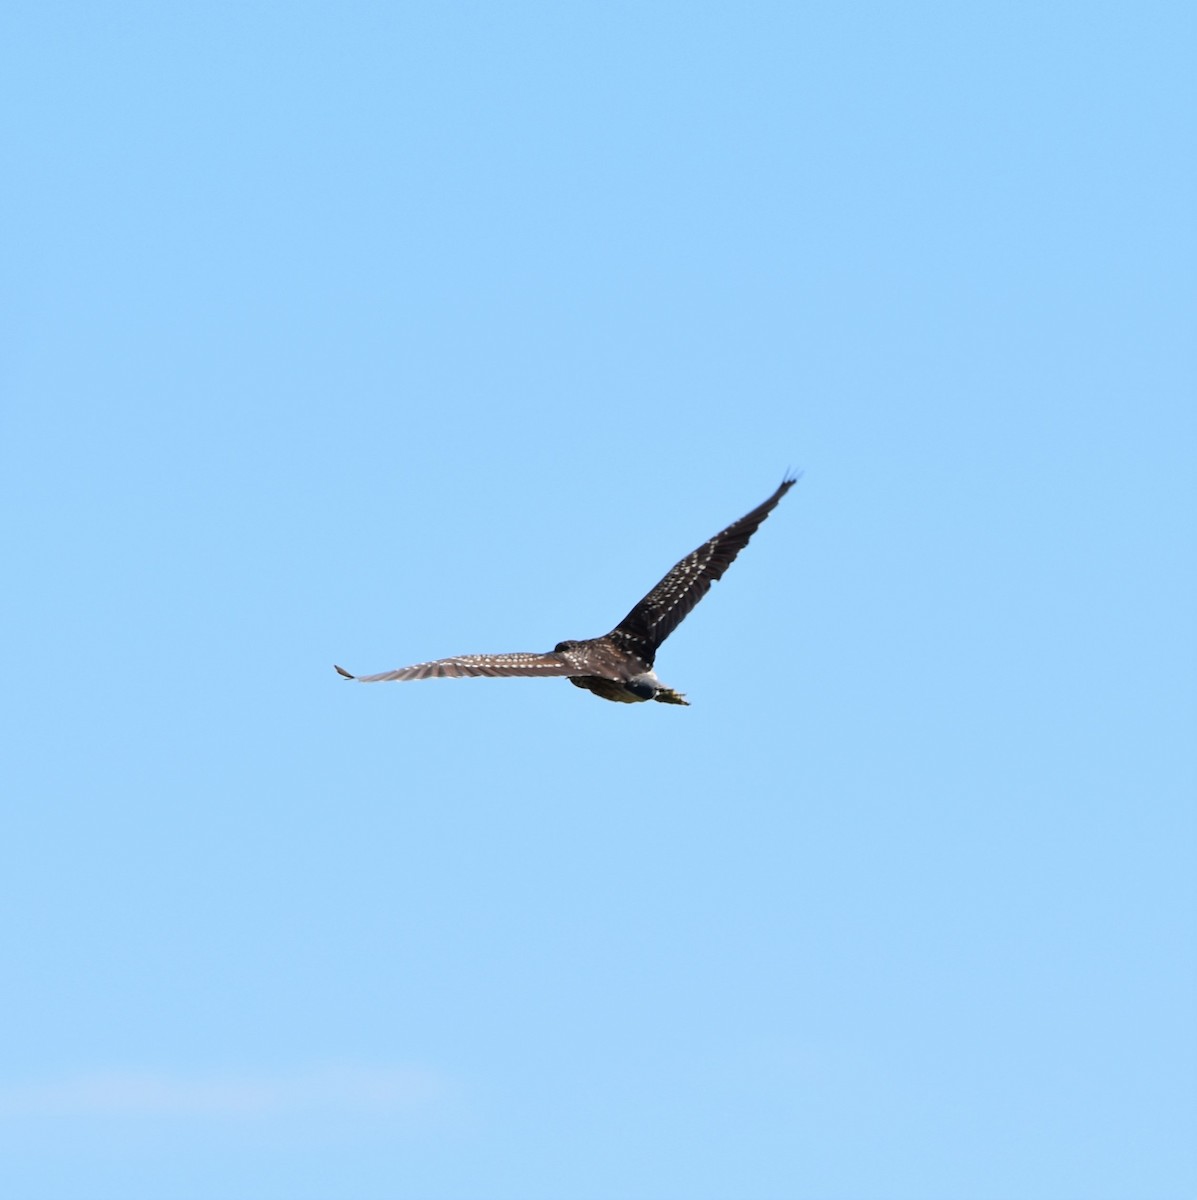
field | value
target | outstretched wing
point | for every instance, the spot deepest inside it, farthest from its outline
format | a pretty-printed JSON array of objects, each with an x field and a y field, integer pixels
[
  {"x": 473, "y": 664},
  {"x": 666, "y": 606}
]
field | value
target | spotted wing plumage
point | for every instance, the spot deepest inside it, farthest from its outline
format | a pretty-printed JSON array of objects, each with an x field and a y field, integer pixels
[
  {"x": 547, "y": 665},
  {"x": 664, "y": 608}
]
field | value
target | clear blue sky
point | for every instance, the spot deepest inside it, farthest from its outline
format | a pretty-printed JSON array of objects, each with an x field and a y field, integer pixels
[{"x": 372, "y": 333}]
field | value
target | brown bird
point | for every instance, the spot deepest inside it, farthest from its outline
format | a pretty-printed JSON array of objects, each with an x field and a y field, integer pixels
[{"x": 618, "y": 665}]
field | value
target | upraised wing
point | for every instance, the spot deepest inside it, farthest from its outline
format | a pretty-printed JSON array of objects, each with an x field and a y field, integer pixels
[
  {"x": 463, "y": 665},
  {"x": 660, "y": 612}
]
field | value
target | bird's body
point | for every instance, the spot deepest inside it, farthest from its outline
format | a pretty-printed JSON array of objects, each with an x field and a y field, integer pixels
[{"x": 619, "y": 665}]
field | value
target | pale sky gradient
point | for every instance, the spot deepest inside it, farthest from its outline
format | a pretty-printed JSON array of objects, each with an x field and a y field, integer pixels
[{"x": 373, "y": 333}]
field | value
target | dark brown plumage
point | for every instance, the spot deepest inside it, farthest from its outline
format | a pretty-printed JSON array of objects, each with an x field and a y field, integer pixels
[{"x": 618, "y": 665}]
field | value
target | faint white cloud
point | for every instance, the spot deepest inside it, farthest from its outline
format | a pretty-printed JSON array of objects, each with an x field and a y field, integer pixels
[{"x": 327, "y": 1089}]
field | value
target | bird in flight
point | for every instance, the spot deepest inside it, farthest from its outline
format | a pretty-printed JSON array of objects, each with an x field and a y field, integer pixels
[{"x": 619, "y": 665}]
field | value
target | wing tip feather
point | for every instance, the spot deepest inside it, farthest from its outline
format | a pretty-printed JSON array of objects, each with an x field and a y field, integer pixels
[{"x": 342, "y": 672}]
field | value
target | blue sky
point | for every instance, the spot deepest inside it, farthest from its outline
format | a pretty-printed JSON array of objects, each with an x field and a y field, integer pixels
[{"x": 373, "y": 333}]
